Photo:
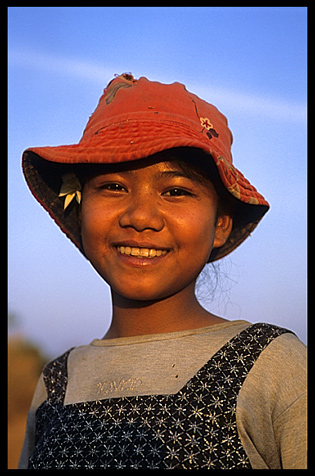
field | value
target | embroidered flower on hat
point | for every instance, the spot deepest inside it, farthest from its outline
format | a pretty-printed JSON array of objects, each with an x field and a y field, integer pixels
[
  {"x": 70, "y": 188},
  {"x": 205, "y": 122},
  {"x": 206, "y": 125}
]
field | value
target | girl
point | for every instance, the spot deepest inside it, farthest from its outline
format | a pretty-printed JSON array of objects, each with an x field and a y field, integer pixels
[{"x": 149, "y": 196}]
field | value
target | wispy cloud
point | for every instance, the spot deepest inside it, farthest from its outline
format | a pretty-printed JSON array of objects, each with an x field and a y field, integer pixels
[
  {"x": 59, "y": 65},
  {"x": 246, "y": 103},
  {"x": 255, "y": 104}
]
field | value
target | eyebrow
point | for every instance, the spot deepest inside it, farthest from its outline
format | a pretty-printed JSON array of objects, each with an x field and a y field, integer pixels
[
  {"x": 173, "y": 173},
  {"x": 181, "y": 174},
  {"x": 164, "y": 173}
]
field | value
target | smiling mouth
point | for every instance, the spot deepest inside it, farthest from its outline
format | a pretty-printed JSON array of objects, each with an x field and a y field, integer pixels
[{"x": 141, "y": 252}]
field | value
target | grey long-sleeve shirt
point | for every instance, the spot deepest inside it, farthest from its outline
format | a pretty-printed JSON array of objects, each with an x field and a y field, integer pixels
[{"x": 271, "y": 406}]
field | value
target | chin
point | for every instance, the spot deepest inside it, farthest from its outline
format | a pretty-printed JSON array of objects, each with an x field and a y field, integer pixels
[{"x": 141, "y": 295}]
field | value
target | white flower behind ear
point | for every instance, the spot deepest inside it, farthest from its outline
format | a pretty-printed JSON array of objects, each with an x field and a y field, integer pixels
[{"x": 70, "y": 188}]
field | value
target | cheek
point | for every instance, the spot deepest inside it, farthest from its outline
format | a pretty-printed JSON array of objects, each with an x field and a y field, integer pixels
[
  {"x": 92, "y": 227},
  {"x": 198, "y": 232}
]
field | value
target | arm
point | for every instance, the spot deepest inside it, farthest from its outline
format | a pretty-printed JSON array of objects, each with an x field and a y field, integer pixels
[
  {"x": 29, "y": 439},
  {"x": 271, "y": 407}
]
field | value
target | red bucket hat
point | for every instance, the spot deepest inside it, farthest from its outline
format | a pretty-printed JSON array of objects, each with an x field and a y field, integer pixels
[{"x": 133, "y": 120}]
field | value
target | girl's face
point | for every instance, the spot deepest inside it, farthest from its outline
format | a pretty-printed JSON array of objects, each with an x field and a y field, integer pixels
[{"x": 149, "y": 230}]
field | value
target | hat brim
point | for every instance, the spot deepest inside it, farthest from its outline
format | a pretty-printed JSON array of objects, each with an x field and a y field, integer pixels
[{"x": 128, "y": 141}]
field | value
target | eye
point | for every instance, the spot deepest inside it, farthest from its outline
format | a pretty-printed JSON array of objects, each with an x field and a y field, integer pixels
[
  {"x": 177, "y": 192},
  {"x": 112, "y": 187}
]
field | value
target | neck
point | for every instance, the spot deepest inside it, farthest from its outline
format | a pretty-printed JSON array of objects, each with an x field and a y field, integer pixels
[{"x": 174, "y": 313}]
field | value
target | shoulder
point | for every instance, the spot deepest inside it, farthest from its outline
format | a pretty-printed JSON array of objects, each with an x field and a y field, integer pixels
[
  {"x": 279, "y": 373},
  {"x": 60, "y": 364},
  {"x": 283, "y": 365},
  {"x": 288, "y": 351},
  {"x": 58, "y": 361}
]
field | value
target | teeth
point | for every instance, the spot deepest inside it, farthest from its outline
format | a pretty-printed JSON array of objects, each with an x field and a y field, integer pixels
[{"x": 141, "y": 252}]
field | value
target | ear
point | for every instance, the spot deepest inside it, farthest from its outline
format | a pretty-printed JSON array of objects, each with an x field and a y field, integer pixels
[{"x": 223, "y": 229}]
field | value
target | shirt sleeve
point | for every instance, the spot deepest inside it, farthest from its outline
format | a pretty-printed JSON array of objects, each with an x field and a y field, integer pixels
[
  {"x": 28, "y": 447},
  {"x": 271, "y": 408}
]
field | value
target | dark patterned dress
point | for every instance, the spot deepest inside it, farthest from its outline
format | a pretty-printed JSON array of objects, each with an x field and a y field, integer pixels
[{"x": 192, "y": 429}]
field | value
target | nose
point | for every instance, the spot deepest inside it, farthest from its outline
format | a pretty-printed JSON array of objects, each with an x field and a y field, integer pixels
[{"x": 142, "y": 213}]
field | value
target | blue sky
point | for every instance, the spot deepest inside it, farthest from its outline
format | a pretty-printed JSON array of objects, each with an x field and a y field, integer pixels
[{"x": 248, "y": 61}]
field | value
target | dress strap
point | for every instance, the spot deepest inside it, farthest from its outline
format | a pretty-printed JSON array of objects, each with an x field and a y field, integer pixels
[
  {"x": 55, "y": 376},
  {"x": 232, "y": 363}
]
